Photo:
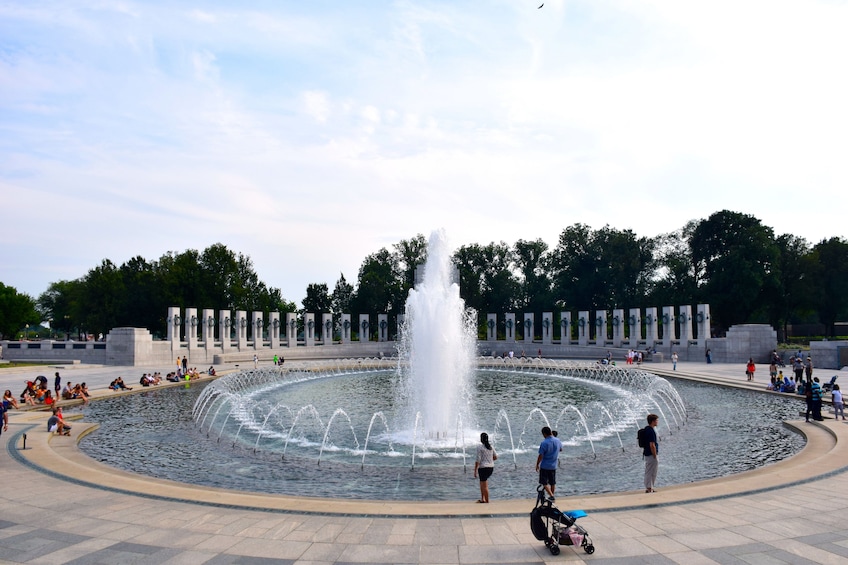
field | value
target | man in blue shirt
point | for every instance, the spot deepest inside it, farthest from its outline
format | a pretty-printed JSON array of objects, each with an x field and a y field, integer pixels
[
  {"x": 546, "y": 463},
  {"x": 817, "y": 399},
  {"x": 650, "y": 452}
]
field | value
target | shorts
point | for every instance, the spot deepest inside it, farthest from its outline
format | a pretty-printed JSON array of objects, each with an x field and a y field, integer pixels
[
  {"x": 484, "y": 473},
  {"x": 547, "y": 477}
]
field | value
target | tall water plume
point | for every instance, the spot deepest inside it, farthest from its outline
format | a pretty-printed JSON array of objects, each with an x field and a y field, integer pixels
[{"x": 437, "y": 348}]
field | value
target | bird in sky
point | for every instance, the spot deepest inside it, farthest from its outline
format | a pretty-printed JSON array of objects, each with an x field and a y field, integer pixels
[{"x": 540, "y": 6}]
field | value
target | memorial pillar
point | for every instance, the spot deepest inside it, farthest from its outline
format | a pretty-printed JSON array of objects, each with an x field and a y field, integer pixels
[
  {"x": 224, "y": 328},
  {"x": 257, "y": 324},
  {"x": 382, "y": 327},
  {"x": 291, "y": 329},
  {"x": 274, "y": 325},
  {"x": 364, "y": 327},
  {"x": 308, "y": 329},
  {"x": 491, "y": 327},
  {"x": 583, "y": 322},
  {"x": 174, "y": 326},
  {"x": 345, "y": 329},
  {"x": 684, "y": 318},
  {"x": 634, "y": 321},
  {"x": 528, "y": 328},
  {"x": 669, "y": 334},
  {"x": 241, "y": 330},
  {"x": 600, "y": 327},
  {"x": 565, "y": 328},
  {"x": 327, "y": 328},
  {"x": 617, "y": 327},
  {"x": 702, "y": 324},
  {"x": 401, "y": 320},
  {"x": 651, "y": 333},
  {"x": 509, "y": 325},
  {"x": 207, "y": 333},
  {"x": 547, "y": 328},
  {"x": 191, "y": 322}
]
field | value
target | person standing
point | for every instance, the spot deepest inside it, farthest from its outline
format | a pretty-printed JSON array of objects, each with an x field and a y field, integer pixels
[
  {"x": 4, "y": 418},
  {"x": 808, "y": 398},
  {"x": 838, "y": 405},
  {"x": 816, "y": 389},
  {"x": 750, "y": 368},
  {"x": 484, "y": 466},
  {"x": 709, "y": 356},
  {"x": 255, "y": 361},
  {"x": 57, "y": 385},
  {"x": 546, "y": 462},
  {"x": 798, "y": 368},
  {"x": 674, "y": 360},
  {"x": 650, "y": 453},
  {"x": 808, "y": 369}
]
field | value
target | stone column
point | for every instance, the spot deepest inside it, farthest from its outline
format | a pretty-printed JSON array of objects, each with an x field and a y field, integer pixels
[
  {"x": 382, "y": 327},
  {"x": 208, "y": 328},
  {"x": 291, "y": 329},
  {"x": 364, "y": 327},
  {"x": 669, "y": 334},
  {"x": 529, "y": 330},
  {"x": 684, "y": 317},
  {"x": 617, "y": 327},
  {"x": 191, "y": 323},
  {"x": 401, "y": 320},
  {"x": 241, "y": 330},
  {"x": 274, "y": 326},
  {"x": 600, "y": 327},
  {"x": 583, "y": 323},
  {"x": 547, "y": 328},
  {"x": 634, "y": 321},
  {"x": 702, "y": 324},
  {"x": 491, "y": 327},
  {"x": 509, "y": 325},
  {"x": 225, "y": 323},
  {"x": 565, "y": 328},
  {"x": 651, "y": 333},
  {"x": 257, "y": 324},
  {"x": 308, "y": 329},
  {"x": 174, "y": 326},
  {"x": 345, "y": 328},
  {"x": 327, "y": 328}
]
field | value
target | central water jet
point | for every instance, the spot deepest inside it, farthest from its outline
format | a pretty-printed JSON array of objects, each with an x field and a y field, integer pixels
[{"x": 437, "y": 347}]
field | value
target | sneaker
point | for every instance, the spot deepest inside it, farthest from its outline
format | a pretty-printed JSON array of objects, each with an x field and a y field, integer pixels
[{"x": 550, "y": 498}]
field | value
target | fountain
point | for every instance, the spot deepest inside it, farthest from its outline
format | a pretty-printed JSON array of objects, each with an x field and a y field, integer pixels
[{"x": 406, "y": 427}]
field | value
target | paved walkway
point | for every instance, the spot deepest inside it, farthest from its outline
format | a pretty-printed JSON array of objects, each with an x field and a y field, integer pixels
[{"x": 57, "y": 506}]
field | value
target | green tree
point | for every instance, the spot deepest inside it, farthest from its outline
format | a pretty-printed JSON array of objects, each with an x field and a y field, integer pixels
[
  {"x": 62, "y": 303},
  {"x": 601, "y": 269},
  {"x": 341, "y": 297},
  {"x": 378, "y": 290},
  {"x": 408, "y": 255},
  {"x": 673, "y": 279},
  {"x": 103, "y": 295},
  {"x": 317, "y": 301},
  {"x": 17, "y": 310},
  {"x": 832, "y": 257},
  {"x": 487, "y": 279},
  {"x": 797, "y": 290},
  {"x": 734, "y": 255}
]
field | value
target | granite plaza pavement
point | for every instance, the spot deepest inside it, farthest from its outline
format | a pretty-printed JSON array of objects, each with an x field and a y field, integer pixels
[{"x": 58, "y": 506}]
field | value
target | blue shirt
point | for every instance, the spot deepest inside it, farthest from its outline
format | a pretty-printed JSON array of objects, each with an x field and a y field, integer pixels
[{"x": 549, "y": 450}]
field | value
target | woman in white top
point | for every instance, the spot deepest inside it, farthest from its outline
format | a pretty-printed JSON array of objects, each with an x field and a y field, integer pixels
[
  {"x": 838, "y": 406},
  {"x": 484, "y": 466}
]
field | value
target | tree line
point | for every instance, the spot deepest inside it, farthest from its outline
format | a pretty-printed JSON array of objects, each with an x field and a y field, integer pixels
[{"x": 729, "y": 260}]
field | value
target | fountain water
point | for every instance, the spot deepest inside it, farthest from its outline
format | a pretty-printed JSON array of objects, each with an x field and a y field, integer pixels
[{"x": 436, "y": 348}]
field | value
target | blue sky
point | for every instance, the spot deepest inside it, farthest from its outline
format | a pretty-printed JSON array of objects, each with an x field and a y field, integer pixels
[{"x": 310, "y": 134}]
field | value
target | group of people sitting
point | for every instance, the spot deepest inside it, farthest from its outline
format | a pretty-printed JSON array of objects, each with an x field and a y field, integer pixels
[
  {"x": 78, "y": 391},
  {"x": 782, "y": 383},
  {"x": 118, "y": 384},
  {"x": 150, "y": 379}
]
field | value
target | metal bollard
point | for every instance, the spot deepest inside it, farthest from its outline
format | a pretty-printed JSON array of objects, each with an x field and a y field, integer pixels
[{"x": 24, "y": 436}]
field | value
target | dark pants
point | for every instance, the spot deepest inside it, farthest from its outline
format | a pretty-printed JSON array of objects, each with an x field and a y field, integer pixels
[
  {"x": 810, "y": 409},
  {"x": 817, "y": 406}
]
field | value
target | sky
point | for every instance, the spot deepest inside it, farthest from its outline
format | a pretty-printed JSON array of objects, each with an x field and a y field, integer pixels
[{"x": 308, "y": 135}]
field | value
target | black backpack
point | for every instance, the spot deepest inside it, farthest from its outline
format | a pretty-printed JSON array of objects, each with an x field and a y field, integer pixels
[{"x": 640, "y": 438}]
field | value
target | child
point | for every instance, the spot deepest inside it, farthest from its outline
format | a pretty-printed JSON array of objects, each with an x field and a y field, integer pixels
[{"x": 838, "y": 405}]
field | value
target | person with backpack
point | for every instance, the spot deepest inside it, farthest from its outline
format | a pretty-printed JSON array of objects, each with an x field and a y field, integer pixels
[{"x": 649, "y": 443}]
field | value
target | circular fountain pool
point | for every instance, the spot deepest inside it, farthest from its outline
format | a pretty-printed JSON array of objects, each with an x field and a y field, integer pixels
[{"x": 336, "y": 433}]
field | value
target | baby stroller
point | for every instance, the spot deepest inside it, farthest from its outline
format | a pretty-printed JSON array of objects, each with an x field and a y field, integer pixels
[{"x": 556, "y": 528}]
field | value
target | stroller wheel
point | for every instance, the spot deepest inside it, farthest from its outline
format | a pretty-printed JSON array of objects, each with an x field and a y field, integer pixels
[
  {"x": 590, "y": 549},
  {"x": 554, "y": 549}
]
